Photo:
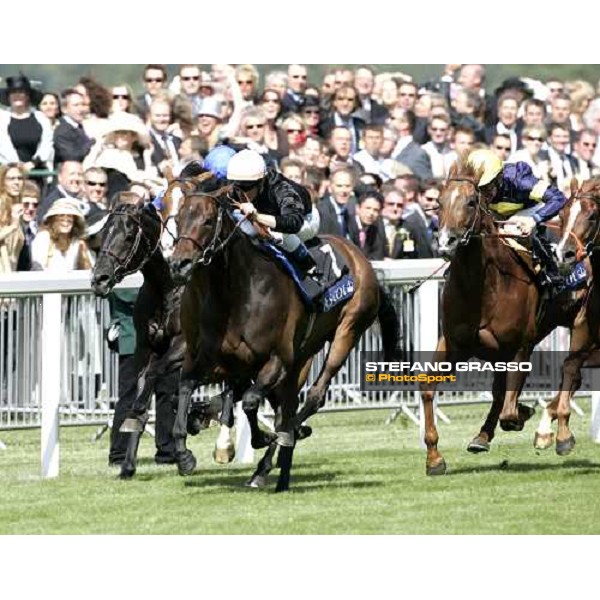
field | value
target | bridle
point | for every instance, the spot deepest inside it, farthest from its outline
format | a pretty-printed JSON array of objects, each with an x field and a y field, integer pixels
[
  {"x": 224, "y": 202},
  {"x": 470, "y": 231},
  {"x": 585, "y": 250},
  {"x": 122, "y": 269}
]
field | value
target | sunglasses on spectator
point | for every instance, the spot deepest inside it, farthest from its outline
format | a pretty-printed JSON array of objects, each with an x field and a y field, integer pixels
[
  {"x": 120, "y": 96},
  {"x": 256, "y": 126},
  {"x": 534, "y": 139},
  {"x": 245, "y": 82},
  {"x": 95, "y": 183},
  {"x": 153, "y": 80},
  {"x": 400, "y": 204},
  {"x": 191, "y": 78},
  {"x": 298, "y": 76},
  {"x": 589, "y": 144}
]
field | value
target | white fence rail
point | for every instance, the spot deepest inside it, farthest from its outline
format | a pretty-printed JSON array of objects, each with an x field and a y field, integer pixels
[{"x": 56, "y": 369}]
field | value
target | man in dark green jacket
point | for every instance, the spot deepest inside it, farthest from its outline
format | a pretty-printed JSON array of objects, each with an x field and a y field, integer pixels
[{"x": 122, "y": 339}]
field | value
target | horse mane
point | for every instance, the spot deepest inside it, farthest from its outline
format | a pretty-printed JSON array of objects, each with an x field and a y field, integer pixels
[
  {"x": 462, "y": 169},
  {"x": 591, "y": 187}
]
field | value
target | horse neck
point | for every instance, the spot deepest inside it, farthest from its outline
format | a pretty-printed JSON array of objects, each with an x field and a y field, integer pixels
[{"x": 156, "y": 272}]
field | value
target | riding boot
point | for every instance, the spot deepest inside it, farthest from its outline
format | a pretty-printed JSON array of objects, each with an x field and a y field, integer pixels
[
  {"x": 552, "y": 279},
  {"x": 313, "y": 279}
]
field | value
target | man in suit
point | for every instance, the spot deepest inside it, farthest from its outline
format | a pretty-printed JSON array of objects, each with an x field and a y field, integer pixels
[
  {"x": 155, "y": 79},
  {"x": 345, "y": 102},
  {"x": 508, "y": 106},
  {"x": 422, "y": 224},
  {"x": 562, "y": 164},
  {"x": 407, "y": 151},
  {"x": 70, "y": 140},
  {"x": 166, "y": 145},
  {"x": 293, "y": 98},
  {"x": 70, "y": 185},
  {"x": 366, "y": 228},
  {"x": 369, "y": 110},
  {"x": 585, "y": 146},
  {"x": 337, "y": 207}
]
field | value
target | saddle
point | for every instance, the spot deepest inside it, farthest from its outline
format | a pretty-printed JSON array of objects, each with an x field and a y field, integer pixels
[{"x": 332, "y": 283}]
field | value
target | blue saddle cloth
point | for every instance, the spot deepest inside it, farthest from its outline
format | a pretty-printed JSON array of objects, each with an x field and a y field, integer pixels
[
  {"x": 337, "y": 289},
  {"x": 577, "y": 277}
]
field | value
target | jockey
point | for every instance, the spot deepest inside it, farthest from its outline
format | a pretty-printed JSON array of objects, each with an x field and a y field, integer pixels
[
  {"x": 276, "y": 202},
  {"x": 527, "y": 201}
]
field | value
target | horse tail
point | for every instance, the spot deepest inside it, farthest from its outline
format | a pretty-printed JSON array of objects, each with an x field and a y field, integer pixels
[{"x": 389, "y": 324}]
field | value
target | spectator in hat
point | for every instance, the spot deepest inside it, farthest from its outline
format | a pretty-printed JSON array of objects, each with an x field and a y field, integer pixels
[
  {"x": 25, "y": 133},
  {"x": 117, "y": 150},
  {"x": 60, "y": 246}
]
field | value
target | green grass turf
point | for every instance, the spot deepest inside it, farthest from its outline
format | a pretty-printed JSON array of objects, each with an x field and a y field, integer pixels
[{"x": 355, "y": 475}]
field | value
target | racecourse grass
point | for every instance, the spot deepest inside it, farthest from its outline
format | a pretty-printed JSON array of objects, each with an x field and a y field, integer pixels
[{"x": 354, "y": 476}]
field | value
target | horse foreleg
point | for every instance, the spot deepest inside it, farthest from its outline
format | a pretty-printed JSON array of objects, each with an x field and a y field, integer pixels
[
  {"x": 224, "y": 451},
  {"x": 286, "y": 433},
  {"x": 481, "y": 443},
  {"x": 513, "y": 417},
  {"x": 264, "y": 467},
  {"x": 435, "y": 463},
  {"x": 544, "y": 436},
  {"x": 186, "y": 463}
]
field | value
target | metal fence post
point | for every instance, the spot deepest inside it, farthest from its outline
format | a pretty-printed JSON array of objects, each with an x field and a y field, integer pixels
[
  {"x": 428, "y": 318},
  {"x": 51, "y": 384}
]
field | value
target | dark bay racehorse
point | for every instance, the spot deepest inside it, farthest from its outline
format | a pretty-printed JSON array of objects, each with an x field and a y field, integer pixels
[
  {"x": 580, "y": 242},
  {"x": 244, "y": 320},
  {"x": 490, "y": 309}
]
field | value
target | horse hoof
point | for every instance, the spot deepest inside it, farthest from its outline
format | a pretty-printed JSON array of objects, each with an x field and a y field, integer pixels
[
  {"x": 223, "y": 456},
  {"x": 264, "y": 440},
  {"x": 478, "y": 445},
  {"x": 193, "y": 426},
  {"x": 543, "y": 441},
  {"x": 257, "y": 482},
  {"x": 439, "y": 469},
  {"x": 304, "y": 431},
  {"x": 282, "y": 488},
  {"x": 516, "y": 425},
  {"x": 131, "y": 426},
  {"x": 127, "y": 472},
  {"x": 563, "y": 448},
  {"x": 186, "y": 463},
  {"x": 525, "y": 412}
]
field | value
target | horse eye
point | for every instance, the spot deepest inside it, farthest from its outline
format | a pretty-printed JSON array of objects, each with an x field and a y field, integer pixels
[{"x": 472, "y": 203}]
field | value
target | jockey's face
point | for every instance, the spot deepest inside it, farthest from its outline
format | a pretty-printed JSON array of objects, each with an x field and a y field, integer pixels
[{"x": 249, "y": 189}]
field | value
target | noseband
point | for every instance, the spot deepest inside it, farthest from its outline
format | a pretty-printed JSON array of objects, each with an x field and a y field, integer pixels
[
  {"x": 122, "y": 269},
  {"x": 216, "y": 244}
]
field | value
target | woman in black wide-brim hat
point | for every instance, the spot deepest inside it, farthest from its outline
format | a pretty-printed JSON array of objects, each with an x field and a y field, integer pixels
[{"x": 25, "y": 133}]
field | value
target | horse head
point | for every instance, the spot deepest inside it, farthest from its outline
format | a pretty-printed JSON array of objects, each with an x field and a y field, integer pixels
[
  {"x": 203, "y": 223},
  {"x": 462, "y": 209},
  {"x": 580, "y": 222},
  {"x": 130, "y": 237}
]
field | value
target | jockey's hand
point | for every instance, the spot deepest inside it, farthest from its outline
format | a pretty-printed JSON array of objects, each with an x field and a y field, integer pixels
[
  {"x": 248, "y": 209},
  {"x": 525, "y": 224}
]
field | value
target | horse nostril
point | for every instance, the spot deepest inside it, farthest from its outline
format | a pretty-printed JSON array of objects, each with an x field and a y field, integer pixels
[{"x": 101, "y": 284}]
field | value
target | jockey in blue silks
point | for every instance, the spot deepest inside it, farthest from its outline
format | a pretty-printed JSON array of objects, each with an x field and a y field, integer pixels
[{"x": 527, "y": 201}]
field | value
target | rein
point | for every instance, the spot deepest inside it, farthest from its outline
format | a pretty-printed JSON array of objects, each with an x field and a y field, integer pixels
[{"x": 123, "y": 264}]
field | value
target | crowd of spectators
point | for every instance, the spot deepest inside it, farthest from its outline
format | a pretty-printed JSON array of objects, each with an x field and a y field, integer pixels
[{"x": 372, "y": 148}]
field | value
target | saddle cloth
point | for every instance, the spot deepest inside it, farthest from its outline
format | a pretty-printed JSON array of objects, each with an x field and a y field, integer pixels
[{"x": 335, "y": 278}]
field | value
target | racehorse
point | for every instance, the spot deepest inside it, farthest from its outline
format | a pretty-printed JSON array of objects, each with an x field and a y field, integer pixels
[
  {"x": 244, "y": 320},
  {"x": 131, "y": 242},
  {"x": 492, "y": 307},
  {"x": 580, "y": 242}
]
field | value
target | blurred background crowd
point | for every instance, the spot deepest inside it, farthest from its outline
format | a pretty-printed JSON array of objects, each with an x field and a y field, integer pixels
[{"x": 373, "y": 147}]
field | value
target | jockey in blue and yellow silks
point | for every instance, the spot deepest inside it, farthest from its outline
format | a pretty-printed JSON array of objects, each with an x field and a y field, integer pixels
[{"x": 523, "y": 199}]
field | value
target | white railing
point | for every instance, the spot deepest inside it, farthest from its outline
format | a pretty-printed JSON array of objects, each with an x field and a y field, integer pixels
[{"x": 65, "y": 374}]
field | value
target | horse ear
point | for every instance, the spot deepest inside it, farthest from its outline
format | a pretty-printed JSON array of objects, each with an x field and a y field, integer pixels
[
  {"x": 168, "y": 173},
  {"x": 574, "y": 188}
]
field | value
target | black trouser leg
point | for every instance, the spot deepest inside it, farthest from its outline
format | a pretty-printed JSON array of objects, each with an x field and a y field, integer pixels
[
  {"x": 127, "y": 394},
  {"x": 167, "y": 393}
]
